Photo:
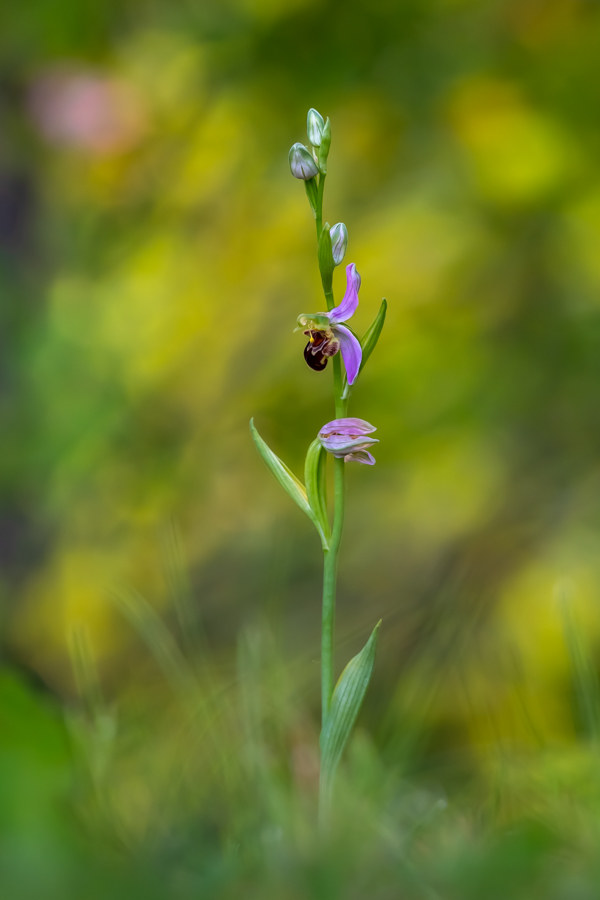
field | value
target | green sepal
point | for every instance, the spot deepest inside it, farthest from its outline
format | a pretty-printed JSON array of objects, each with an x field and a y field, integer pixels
[
  {"x": 346, "y": 701},
  {"x": 325, "y": 256},
  {"x": 312, "y": 192},
  {"x": 325, "y": 145},
  {"x": 314, "y": 476},
  {"x": 288, "y": 481}
]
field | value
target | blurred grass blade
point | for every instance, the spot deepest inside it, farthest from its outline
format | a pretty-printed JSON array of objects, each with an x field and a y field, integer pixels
[
  {"x": 288, "y": 481},
  {"x": 85, "y": 671},
  {"x": 180, "y": 592},
  {"x": 347, "y": 699},
  {"x": 314, "y": 476},
  {"x": 197, "y": 703},
  {"x": 249, "y": 665},
  {"x": 159, "y": 641},
  {"x": 94, "y": 732},
  {"x": 369, "y": 341},
  {"x": 585, "y": 677}
]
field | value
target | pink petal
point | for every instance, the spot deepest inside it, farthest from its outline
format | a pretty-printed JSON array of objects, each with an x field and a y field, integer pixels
[
  {"x": 341, "y": 444},
  {"x": 361, "y": 456},
  {"x": 347, "y": 426},
  {"x": 351, "y": 351},
  {"x": 347, "y": 307}
]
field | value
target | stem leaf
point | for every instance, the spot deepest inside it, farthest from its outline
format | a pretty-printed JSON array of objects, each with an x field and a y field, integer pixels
[
  {"x": 325, "y": 257},
  {"x": 347, "y": 699},
  {"x": 314, "y": 476},
  {"x": 288, "y": 481},
  {"x": 369, "y": 341},
  {"x": 324, "y": 147},
  {"x": 312, "y": 194}
]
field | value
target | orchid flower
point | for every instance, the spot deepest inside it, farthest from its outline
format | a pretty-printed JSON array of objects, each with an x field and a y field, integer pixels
[
  {"x": 348, "y": 440},
  {"x": 327, "y": 336}
]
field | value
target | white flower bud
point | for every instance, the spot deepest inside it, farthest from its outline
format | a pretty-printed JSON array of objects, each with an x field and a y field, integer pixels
[
  {"x": 302, "y": 165},
  {"x": 314, "y": 127},
  {"x": 339, "y": 242}
]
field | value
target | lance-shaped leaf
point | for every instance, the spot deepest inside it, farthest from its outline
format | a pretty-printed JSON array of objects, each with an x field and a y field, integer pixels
[
  {"x": 288, "y": 481},
  {"x": 314, "y": 476},
  {"x": 311, "y": 193},
  {"x": 324, "y": 146},
  {"x": 325, "y": 256},
  {"x": 369, "y": 341},
  {"x": 347, "y": 699}
]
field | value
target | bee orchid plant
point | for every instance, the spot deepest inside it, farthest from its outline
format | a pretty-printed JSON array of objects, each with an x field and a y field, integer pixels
[{"x": 345, "y": 439}]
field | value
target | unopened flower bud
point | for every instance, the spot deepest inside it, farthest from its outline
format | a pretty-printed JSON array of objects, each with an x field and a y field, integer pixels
[
  {"x": 339, "y": 242},
  {"x": 314, "y": 127},
  {"x": 302, "y": 165}
]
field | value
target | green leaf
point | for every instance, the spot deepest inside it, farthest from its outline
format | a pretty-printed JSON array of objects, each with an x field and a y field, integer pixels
[
  {"x": 325, "y": 145},
  {"x": 347, "y": 699},
  {"x": 314, "y": 476},
  {"x": 325, "y": 256},
  {"x": 371, "y": 337},
  {"x": 312, "y": 193},
  {"x": 288, "y": 482},
  {"x": 369, "y": 341}
]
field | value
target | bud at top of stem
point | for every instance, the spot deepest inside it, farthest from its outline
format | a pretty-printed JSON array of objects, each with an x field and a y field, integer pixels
[
  {"x": 302, "y": 165},
  {"x": 314, "y": 127},
  {"x": 339, "y": 242}
]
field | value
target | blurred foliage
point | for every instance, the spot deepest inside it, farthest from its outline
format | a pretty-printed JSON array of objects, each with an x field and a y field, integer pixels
[{"x": 154, "y": 255}]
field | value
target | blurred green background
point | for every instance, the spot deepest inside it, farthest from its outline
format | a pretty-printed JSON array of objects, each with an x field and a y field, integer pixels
[{"x": 154, "y": 255}]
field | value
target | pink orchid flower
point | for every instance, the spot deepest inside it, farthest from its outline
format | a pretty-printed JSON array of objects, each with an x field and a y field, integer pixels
[
  {"x": 327, "y": 336},
  {"x": 348, "y": 440}
]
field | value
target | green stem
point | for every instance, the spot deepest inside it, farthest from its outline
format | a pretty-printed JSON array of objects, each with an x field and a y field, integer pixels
[
  {"x": 319, "y": 217},
  {"x": 338, "y": 387},
  {"x": 330, "y": 557},
  {"x": 329, "y": 589}
]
